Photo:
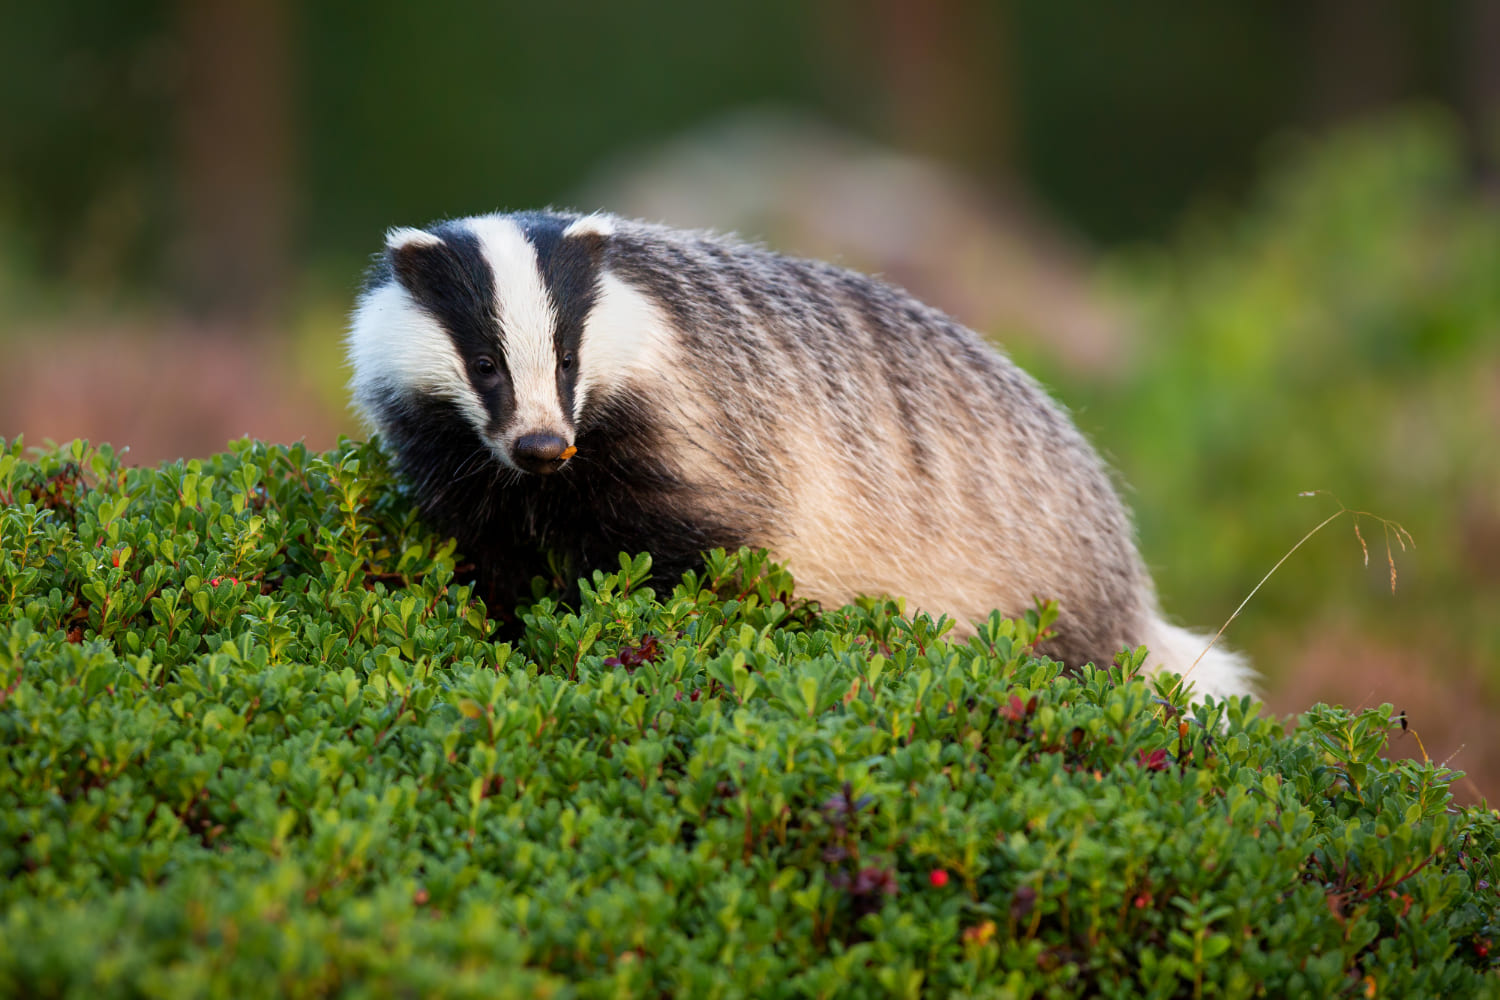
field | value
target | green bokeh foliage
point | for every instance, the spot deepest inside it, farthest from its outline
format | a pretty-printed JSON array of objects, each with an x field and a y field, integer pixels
[{"x": 1343, "y": 335}]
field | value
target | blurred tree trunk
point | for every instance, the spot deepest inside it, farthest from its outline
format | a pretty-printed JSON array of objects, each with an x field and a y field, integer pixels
[
  {"x": 1358, "y": 57},
  {"x": 1481, "y": 97},
  {"x": 233, "y": 160},
  {"x": 940, "y": 70}
]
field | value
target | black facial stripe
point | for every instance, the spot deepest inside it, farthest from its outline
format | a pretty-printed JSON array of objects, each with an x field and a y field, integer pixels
[
  {"x": 378, "y": 273},
  {"x": 453, "y": 283},
  {"x": 570, "y": 272}
]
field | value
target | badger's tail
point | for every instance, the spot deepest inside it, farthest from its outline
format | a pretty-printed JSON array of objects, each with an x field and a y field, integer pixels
[{"x": 1219, "y": 672}]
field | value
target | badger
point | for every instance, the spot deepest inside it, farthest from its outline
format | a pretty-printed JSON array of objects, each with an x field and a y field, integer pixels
[{"x": 583, "y": 384}]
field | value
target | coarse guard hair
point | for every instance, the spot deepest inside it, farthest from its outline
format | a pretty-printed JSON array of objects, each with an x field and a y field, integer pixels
[{"x": 586, "y": 385}]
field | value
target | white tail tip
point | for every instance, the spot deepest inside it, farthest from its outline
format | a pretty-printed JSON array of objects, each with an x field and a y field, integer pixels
[{"x": 1219, "y": 672}]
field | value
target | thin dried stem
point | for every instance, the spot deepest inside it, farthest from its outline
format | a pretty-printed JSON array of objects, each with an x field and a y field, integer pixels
[{"x": 1403, "y": 537}]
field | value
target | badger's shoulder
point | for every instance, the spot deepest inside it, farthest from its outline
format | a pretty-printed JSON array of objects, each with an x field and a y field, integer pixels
[{"x": 702, "y": 275}]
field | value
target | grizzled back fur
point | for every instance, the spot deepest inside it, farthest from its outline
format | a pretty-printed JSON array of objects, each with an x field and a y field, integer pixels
[{"x": 721, "y": 395}]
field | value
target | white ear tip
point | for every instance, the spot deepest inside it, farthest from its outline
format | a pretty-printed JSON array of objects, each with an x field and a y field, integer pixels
[
  {"x": 405, "y": 236},
  {"x": 597, "y": 224}
]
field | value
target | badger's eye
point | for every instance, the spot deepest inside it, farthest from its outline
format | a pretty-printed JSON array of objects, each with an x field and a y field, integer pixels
[
  {"x": 485, "y": 366},
  {"x": 567, "y": 360}
]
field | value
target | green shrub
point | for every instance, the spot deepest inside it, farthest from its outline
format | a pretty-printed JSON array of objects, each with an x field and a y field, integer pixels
[{"x": 255, "y": 741}]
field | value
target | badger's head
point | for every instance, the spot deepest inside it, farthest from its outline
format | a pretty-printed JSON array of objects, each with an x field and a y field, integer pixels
[{"x": 508, "y": 323}]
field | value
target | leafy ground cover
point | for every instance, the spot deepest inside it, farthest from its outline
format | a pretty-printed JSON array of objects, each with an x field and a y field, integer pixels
[{"x": 256, "y": 740}]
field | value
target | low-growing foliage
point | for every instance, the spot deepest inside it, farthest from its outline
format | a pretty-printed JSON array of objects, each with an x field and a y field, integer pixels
[{"x": 256, "y": 740}]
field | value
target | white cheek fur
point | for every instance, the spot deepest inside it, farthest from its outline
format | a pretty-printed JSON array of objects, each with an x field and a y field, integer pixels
[
  {"x": 624, "y": 332},
  {"x": 392, "y": 342}
]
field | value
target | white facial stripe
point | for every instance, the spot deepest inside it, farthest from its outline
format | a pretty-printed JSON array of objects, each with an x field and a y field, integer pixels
[
  {"x": 390, "y": 337},
  {"x": 625, "y": 330},
  {"x": 527, "y": 322}
]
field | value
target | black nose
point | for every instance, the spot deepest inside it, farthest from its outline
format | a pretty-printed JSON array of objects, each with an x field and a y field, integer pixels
[{"x": 541, "y": 453}]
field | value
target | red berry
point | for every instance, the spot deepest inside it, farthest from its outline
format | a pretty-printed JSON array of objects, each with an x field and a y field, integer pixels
[{"x": 938, "y": 877}]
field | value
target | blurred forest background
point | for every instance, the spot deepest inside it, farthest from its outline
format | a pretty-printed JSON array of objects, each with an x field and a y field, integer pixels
[{"x": 1255, "y": 246}]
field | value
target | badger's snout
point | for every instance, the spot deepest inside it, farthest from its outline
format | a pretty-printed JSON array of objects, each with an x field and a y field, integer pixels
[{"x": 541, "y": 452}]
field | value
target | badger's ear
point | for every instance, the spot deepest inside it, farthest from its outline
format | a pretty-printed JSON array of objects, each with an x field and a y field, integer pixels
[
  {"x": 590, "y": 232},
  {"x": 424, "y": 264}
]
